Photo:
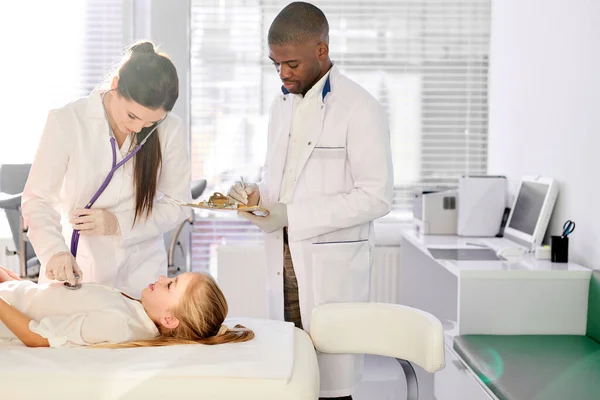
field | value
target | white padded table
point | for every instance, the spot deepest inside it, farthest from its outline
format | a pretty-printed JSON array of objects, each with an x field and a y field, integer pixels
[{"x": 258, "y": 369}]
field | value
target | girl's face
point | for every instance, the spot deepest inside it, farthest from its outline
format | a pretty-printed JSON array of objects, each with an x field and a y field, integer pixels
[
  {"x": 127, "y": 115},
  {"x": 163, "y": 296}
]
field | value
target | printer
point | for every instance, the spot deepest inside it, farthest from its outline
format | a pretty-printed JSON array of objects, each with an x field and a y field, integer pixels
[
  {"x": 482, "y": 204},
  {"x": 475, "y": 208},
  {"x": 436, "y": 212}
]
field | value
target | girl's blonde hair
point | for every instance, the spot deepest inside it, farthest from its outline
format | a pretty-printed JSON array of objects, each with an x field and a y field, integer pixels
[{"x": 201, "y": 313}]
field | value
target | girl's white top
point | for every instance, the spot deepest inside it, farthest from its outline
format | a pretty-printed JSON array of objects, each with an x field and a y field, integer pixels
[{"x": 67, "y": 318}]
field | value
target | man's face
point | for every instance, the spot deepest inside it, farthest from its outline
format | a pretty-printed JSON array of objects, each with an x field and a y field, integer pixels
[{"x": 299, "y": 66}]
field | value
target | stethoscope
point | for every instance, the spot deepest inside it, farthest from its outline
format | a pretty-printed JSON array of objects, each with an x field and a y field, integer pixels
[{"x": 114, "y": 168}]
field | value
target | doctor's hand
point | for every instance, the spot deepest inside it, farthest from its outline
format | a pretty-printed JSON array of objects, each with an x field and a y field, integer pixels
[
  {"x": 94, "y": 222},
  {"x": 276, "y": 219},
  {"x": 245, "y": 193},
  {"x": 63, "y": 267}
]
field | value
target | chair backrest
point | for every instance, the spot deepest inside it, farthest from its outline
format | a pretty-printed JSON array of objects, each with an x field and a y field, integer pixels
[
  {"x": 12, "y": 181},
  {"x": 593, "y": 319},
  {"x": 13, "y": 177},
  {"x": 391, "y": 330},
  {"x": 198, "y": 188}
]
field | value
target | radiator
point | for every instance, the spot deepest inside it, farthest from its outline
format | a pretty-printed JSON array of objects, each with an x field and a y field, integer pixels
[
  {"x": 240, "y": 272},
  {"x": 385, "y": 275}
]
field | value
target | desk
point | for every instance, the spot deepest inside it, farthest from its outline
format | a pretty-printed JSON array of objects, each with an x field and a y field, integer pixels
[{"x": 527, "y": 296}]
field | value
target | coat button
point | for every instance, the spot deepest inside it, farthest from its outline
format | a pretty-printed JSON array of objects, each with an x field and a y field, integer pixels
[
  {"x": 309, "y": 143},
  {"x": 278, "y": 273},
  {"x": 284, "y": 99}
]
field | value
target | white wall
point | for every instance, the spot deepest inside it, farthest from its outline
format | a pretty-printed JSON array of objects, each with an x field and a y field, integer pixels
[{"x": 545, "y": 107}]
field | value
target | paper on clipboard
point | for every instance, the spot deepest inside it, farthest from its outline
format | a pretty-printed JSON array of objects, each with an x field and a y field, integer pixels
[{"x": 261, "y": 212}]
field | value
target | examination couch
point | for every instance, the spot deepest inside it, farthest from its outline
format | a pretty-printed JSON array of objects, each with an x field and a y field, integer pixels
[{"x": 540, "y": 367}]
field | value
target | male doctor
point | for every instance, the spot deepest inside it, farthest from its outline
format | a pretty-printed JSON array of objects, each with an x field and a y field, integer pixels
[{"x": 328, "y": 175}]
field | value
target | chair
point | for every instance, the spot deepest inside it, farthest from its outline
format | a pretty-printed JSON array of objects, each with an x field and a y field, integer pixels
[
  {"x": 12, "y": 182},
  {"x": 173, "y": 239},
  {"x": 409, "y": 335}
]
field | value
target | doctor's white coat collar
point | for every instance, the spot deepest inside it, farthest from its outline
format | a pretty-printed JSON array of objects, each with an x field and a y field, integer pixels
[
  {"x": 326, "y": 86},
  {"x": 94, "y": 107}
]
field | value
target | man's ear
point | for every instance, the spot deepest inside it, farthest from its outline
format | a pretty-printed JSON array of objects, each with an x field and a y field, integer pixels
[
  {"x": 169, "y": 322},
  {"x": 322, "y": 51},
  {"x": 114, "y": 83}
]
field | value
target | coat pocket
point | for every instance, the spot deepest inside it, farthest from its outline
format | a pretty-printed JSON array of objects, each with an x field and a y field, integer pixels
[
  {"x": 325, "y": 170},
  {"x": 341, "y": 271}
]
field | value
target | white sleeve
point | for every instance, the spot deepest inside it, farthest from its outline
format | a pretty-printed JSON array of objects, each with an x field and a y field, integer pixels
[
  {"x": 264, "y": 182},
  {"x": 82, "y": 329},
  {"x": 41, "y": 195},
  {"x": 174, "y": 185}
]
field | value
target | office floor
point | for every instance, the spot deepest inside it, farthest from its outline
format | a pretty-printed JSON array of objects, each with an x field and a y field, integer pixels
[{"x": 383, "y": 379}]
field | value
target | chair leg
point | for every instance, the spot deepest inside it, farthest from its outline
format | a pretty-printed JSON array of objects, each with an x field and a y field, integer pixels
[
  {"x": 188, "y": 251},
  {"x": 412, "y": 385},
  {"x": 21, "y": 251}
]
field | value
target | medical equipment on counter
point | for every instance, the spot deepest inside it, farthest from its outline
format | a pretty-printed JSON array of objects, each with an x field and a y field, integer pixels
[
  {"x": 279, "y": 363},
  {"x": 114, "y": 168},
  {"x": 435, "y": 212},
  {"x": 531, "y": 211},
  {"x": 481, "y": 204}
]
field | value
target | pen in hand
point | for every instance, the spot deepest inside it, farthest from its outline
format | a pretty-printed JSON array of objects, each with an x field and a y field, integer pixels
[{"x": 244, "y": 189}]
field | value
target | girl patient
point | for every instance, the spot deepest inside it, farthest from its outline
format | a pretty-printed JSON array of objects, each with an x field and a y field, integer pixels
[{"x": 187, "y": 309}]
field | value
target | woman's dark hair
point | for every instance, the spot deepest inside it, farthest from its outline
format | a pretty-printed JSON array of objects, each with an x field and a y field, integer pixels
[{"x": 150, "y": 79}]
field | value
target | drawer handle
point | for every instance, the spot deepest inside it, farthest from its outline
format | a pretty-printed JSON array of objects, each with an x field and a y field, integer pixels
[{"x": 459, "y": 365}]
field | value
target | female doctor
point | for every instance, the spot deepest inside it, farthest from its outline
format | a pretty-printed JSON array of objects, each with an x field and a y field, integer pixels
[{"x": 110, "y": 173}]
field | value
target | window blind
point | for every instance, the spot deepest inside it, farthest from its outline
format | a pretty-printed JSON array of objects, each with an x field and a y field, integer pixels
[
  {"x": 56, "y": 52},
  {"x": 426, "y": 61}
]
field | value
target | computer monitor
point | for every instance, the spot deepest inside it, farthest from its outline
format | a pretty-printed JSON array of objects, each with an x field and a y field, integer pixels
[{"x": 531, "y": 210}]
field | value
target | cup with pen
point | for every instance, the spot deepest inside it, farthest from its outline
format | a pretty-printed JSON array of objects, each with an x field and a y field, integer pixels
[{"x": 559, "y": 245}]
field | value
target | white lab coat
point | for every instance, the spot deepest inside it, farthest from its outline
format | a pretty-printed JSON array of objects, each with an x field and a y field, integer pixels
[
  {"x": 73, "y": 158},
  {"x": 344, "y": 182}
]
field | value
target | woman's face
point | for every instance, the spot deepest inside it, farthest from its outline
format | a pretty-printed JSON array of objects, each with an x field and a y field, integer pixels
[
  {"x": 163, "y": 296},
  {"x": 127, "y": 115}
]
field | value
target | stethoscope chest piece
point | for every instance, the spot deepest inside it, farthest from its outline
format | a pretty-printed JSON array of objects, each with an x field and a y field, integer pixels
[{"x": 76, "y": 286}]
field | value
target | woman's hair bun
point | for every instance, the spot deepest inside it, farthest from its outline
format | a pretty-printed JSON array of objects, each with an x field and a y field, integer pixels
[{"x": 142, "y": 48}]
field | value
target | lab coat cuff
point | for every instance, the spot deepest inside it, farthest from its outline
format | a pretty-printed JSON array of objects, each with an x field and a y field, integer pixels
[
  {"x": 45, "y": 256},
  {"x": 262, "y": 189},
  {"x": 296, "y": 219}
]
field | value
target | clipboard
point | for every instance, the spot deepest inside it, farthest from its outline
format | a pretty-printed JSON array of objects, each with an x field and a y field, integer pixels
[{"x": 261, "y": 212}]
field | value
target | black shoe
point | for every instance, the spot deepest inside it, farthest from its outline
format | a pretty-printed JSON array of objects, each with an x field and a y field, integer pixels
[{"x": 336, "y": 398}]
